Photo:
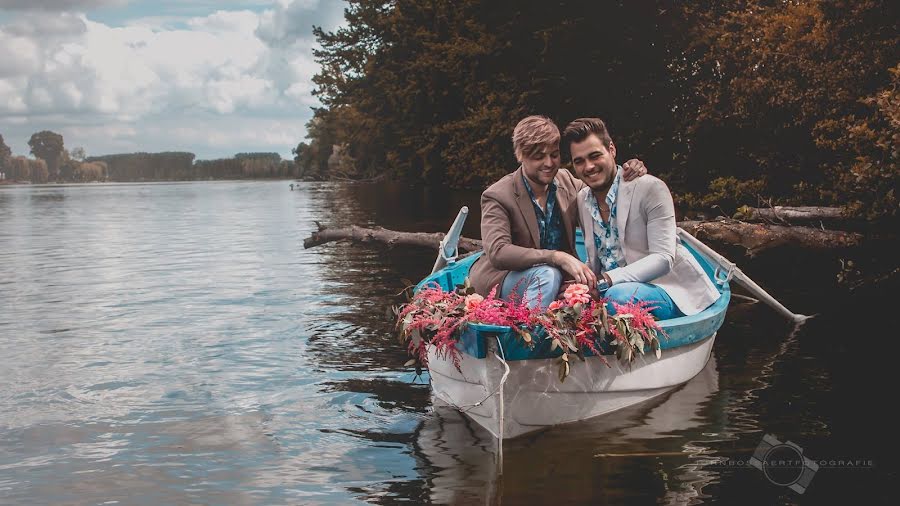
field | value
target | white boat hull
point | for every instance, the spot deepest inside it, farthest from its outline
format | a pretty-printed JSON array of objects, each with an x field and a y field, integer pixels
[{"x": 532, "y": 397}]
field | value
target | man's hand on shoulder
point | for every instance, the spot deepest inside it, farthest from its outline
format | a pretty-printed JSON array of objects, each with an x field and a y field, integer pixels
[{"x": 633, "y": 169}]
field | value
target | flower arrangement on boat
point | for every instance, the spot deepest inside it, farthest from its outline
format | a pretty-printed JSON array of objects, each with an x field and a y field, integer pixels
[{"x": 573, "y": 324}]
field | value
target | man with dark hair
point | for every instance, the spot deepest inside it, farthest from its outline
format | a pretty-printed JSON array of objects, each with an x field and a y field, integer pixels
[
  {"x": 528, "y": 221},
  {"x": 629, "y": 229}
]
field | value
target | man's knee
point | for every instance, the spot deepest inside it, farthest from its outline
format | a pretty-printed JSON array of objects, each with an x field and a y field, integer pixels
[
  {"x": 543, "y": 285},
  {"x": 622, "y": 293},
  {"x": 547, "y": 276}
]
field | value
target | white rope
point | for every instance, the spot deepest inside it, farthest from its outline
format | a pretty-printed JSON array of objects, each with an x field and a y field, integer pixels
[{"x": 467, "y": 407}]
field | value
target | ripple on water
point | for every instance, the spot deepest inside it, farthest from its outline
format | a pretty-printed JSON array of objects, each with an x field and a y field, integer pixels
[{"x": 175, "y": 344}]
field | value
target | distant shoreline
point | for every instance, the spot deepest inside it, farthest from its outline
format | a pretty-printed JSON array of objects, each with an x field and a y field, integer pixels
[{"x": 29, "y": 183}]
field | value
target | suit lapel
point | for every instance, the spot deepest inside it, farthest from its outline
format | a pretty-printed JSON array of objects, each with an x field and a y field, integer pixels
[
  {"x": 564, "y": 203},
  {"x": 526, "y": 207},
  {"x": 587, "y": 227},
  {"x": 623, "y": 207}
]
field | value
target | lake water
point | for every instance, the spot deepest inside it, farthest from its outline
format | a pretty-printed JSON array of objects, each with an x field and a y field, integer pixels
[{"x": 175, "y": 344}]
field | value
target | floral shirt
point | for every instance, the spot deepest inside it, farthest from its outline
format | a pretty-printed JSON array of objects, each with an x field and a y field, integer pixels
[
  {"x": 606, "y": 234},
  {"x": 548, "y": 223}
]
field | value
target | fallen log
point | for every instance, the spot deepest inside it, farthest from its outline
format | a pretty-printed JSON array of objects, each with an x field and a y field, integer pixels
[
  {"x": 755, "y": 237},
  {"x": 383, "y": 235},
  {"x": 788, "y": 214}
]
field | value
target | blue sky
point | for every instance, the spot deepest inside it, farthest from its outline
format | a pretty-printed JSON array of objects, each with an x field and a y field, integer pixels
[{"x": 112, "y": 76}]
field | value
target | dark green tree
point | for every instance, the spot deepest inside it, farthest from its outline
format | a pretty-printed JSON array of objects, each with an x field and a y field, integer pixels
[
  {"x": 48, "y": 146},
  {"x": 774, "y": 87},
  {"x": 5, "y": 155}
]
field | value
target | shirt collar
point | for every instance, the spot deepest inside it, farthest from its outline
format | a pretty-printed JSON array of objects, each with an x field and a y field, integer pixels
[
  {"x": 613, "y": 192},
  {"x": 551, "y": 189},
  {"x": 611, "y": 195}
]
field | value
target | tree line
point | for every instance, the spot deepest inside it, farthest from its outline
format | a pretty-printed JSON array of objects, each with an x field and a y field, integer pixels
[
  {"x": 731, "y": 101},
  {"x": 54, "y": 163}
]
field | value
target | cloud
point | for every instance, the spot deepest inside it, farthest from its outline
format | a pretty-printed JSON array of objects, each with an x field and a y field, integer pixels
[
  {"x": 57, "y": 5},
  {"x": 203, "y": 79}
]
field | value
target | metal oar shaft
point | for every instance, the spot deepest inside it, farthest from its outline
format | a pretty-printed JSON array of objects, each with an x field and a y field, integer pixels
[
  {"x": 448, "y": 247},
  {"x": 741, "y": 278}
]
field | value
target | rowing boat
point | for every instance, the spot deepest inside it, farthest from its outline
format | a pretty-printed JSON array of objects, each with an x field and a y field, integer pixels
[{"x": 512, "y": 389}]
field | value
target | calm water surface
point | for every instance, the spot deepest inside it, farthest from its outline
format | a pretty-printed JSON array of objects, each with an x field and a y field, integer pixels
[{"x": 175, "y": 344}]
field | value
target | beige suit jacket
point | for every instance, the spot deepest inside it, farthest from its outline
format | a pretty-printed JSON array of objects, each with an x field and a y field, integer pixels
[
  {"x": 509, "y": 229},
  {"x": 646, "y": 221}
]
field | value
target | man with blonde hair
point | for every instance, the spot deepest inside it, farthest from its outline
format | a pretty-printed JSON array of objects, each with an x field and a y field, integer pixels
[{"x": 528, "y": 221}]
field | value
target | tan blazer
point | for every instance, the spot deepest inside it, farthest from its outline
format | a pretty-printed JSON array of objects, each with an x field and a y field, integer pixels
[
  {"x": 509, "y": 229},
  {"x": 646, "y": 221}
]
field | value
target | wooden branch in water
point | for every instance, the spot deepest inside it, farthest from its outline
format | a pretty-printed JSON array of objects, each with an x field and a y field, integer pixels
[
  {"x": 787, "y": 214},
  {"x": 383, "y": 235},
  {"x": 757, "y": 237}
]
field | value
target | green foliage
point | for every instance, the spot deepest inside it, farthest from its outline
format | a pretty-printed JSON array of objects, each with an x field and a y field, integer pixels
[
  {"x": 872, "y": 179},
  {"x": 274, "y": 157},
  {"x": 5, "y": 155},
  {"x": 78, "y": 154},
  {"x": 775, "y": 89},
  {"x": 23, "y": 169},
  {"x": 89, "y": 171},
  {"x": 727, "y": 194},
  {"x": 148, "y": 166},
  {"x": 48, "y": 146},
  {"x": 730, "y": 100}
]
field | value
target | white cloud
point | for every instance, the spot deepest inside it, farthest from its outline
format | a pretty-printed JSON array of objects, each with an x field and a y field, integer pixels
[
  {"x": 157, "y": 85},
  {"x": 56, "y": 5}
]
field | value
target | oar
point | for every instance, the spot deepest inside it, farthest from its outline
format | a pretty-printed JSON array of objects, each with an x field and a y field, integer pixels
[
  {"x": 447, "y": 251},
  {"x": 741, "y": 278}
]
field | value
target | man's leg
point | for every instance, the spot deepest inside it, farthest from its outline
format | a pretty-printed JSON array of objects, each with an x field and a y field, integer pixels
[
  {"x": 538, "y": 284},
  {"x": 623, "y": 293}
]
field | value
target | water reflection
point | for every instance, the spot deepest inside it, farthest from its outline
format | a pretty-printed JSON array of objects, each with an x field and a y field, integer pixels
[{"x": 580, "y": 455}]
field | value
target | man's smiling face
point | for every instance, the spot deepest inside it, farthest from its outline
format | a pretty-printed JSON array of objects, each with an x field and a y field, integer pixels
[
  {"x": 594, "y": 163},
  {"x": 541, "y": 166}
]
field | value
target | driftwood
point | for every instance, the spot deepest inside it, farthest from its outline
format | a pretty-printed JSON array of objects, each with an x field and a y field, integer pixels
[
  {"x": 786, "y": 214},
  {"x": 383, "y": 235},
  {"x": 754, "y": 237},
  {"x": 757, "y": 237}
]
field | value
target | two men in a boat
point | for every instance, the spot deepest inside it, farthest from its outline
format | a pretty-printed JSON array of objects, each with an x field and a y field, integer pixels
[{"x": 529, "y": 218}]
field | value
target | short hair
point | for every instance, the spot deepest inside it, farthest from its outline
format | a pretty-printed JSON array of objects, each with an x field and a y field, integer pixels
[
  {"x": 582, "y": 128},
  {"x": 532, "y": 133}
]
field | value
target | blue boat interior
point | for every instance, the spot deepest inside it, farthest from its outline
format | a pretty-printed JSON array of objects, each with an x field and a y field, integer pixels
[{"x": 679, "y": 331}]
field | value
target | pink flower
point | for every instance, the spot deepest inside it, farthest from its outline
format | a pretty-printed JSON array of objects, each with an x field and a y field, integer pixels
[
  {"x": 576, "y": 293},
  {"x": 472, "y": 302},
  {"x": 556, "y": 304}
]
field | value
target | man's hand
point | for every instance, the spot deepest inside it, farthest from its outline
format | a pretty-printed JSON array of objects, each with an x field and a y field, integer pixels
[
  {"x": 633, "y": 169},
  {"x": 575, "y": 268}
]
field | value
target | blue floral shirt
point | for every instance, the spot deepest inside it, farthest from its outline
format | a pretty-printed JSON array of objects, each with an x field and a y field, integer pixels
[
  {"x": 548, "y": 223},
  {"x": 606, "y": 234}
]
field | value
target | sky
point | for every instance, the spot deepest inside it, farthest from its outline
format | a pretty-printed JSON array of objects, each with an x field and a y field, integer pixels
[{"x": 213, "y": 77}]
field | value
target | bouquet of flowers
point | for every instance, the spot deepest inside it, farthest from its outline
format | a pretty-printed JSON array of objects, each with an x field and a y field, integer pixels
[
  {"x": 436, "y": 317},
  {"x": 573, "y": 324}
]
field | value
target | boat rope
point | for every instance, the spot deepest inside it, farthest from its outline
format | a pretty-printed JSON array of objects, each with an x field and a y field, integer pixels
[{"x": 466, "y": 407}]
